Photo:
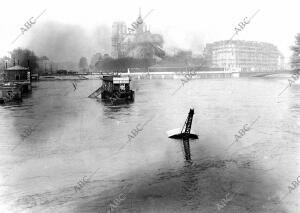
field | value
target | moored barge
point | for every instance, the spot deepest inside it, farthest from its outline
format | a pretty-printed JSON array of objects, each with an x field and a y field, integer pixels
[
  {"x": 10, "y": 92},
  {"x": 16, "y": 81},
  {"x": 116, "y": 89}
]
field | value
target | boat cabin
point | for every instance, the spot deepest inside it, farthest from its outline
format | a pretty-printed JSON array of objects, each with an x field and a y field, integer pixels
[
  {"x": 116, "y": 89},
  {"x": 116, "y": 83}
]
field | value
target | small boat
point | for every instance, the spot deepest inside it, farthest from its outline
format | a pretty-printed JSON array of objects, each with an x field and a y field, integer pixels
[{"x": 48, "y": 78}]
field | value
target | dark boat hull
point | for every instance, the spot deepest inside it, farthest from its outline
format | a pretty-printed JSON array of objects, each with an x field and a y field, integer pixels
[{"x": 117, "y": 98}]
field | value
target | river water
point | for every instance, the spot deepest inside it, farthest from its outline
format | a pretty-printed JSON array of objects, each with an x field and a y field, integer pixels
[{"x": 57, "y": 137}]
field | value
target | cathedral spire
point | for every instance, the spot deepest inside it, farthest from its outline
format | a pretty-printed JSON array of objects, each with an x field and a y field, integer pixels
[{"x": 140, "y": 15}]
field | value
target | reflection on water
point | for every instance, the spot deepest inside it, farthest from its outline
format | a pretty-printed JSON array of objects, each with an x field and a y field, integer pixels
[{"x": 74, "y": 136}]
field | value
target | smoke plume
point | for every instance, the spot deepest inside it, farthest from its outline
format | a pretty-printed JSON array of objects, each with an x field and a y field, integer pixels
[{"x": 63, "y": 42}]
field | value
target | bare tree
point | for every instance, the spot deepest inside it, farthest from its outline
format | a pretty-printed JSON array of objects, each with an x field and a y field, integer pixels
[{"x": 295, "y": 59}]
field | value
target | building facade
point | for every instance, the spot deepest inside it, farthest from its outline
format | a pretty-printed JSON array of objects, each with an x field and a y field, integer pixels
[
  {"x": 119, "y": 33},
  {"x": 245, "y": 56},
  {"x": 17, "y": 74}
]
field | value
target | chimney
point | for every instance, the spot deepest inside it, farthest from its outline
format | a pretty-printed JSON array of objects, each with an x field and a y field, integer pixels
[
  {"x": 5, "y": 64},
  {"x": 14, "y": 62},
  {"x": 18, "y": 62}
]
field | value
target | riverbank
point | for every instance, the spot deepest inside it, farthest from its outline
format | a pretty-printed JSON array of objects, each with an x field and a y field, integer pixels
[{"x": 172, "y": 75}]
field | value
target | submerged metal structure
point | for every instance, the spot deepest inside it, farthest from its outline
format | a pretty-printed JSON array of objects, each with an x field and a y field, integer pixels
[
  {"x": 186, "y": 142},
  {"x": 185, "y": 134}
]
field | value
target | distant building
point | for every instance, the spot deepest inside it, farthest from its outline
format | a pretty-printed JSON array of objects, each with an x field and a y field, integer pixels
[
  {"x": 246, "y": 56},
  {"x": 137, "y": 43},
  {"x": 119, "y": 33}
]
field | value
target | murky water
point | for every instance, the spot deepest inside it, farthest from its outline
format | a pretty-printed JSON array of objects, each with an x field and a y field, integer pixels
[{"x": 58, "y": 137}]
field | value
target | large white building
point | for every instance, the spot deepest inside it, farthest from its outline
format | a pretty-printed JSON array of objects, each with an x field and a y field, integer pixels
[{"x": 245, "y": 56}]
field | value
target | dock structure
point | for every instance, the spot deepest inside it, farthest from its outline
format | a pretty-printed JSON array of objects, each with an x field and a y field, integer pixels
[
  {"x": 18, "y": 75},
  {"x": 16, "y": 81}
]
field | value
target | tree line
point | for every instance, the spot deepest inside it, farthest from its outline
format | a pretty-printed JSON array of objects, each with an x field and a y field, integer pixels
[{"x": 22, "y": 57}]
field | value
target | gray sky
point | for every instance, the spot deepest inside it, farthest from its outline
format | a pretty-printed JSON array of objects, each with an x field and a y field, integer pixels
[{"x": 185, "y": 24}]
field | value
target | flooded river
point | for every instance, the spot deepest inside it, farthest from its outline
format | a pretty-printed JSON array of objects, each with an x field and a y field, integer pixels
[{"x": 57, "y": 137}]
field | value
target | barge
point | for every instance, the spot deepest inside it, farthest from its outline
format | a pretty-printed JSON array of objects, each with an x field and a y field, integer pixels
[
  {"x": 10, "y": 92},
  {"x": 15, "y": 82},
  {"x": 115, "y": 89}
]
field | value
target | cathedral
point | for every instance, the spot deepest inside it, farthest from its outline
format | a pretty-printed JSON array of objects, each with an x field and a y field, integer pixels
[{"x": 136, "y": 41}]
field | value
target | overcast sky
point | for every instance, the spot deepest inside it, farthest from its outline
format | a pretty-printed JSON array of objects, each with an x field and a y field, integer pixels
[{"x": 184, "y": 24}]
